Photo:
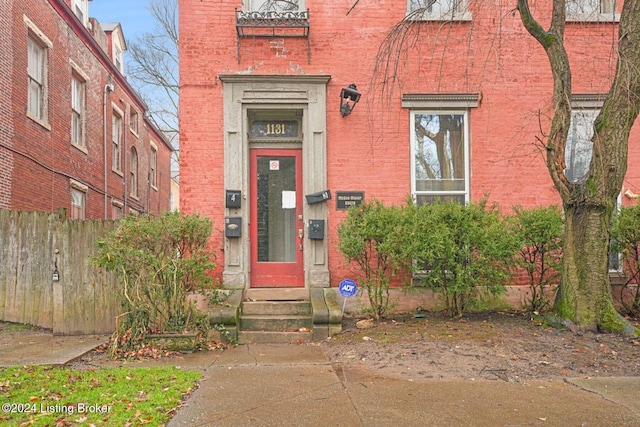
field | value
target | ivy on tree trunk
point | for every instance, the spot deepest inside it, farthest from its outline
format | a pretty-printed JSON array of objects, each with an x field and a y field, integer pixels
[{"x": 584, "y": 296}]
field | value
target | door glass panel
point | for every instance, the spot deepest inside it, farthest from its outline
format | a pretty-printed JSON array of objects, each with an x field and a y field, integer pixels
[{"x": 276, "y": 213}]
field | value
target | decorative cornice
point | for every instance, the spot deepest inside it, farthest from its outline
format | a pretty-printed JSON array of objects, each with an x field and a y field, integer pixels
[
  {"x": 275, "y": 78},
  {"x": 588, "y": 97},
  {"x": 440, "y": 100}
]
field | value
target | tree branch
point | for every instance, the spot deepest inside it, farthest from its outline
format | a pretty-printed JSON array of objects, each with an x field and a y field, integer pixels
[{"x": 553, "y": 43}]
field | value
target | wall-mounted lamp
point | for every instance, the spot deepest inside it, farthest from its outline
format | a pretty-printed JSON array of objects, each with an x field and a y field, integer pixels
[{"x": 348, "y": 94}]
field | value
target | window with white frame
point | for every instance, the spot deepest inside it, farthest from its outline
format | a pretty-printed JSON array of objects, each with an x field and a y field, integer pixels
[
  {"x": 274, "y": 5},
  {"x": 118, "y": 58},
  {"x": 81, "y": 10},
  {"x": 116, "y": 141},
  {"x": 153, "y": 165},
  {"x": 439, "y": 132},
  {"x": 37, "y": 72},
  {"x": 133, "y": 172},
  {"x": 78, "y": 202},
  {"x": 133, "y": 120},
  {"x": 78, "y": 88},
  {"x": 439, "y": 10},
  {"x": 615, "y": 258},
  {"x": 116, "y": 209},
  {"x": 38, "y": 48},
  {"x": 578, "y": 148},
  {"x": 439, "y": 149},
  {"x": 592, "y": 11}
]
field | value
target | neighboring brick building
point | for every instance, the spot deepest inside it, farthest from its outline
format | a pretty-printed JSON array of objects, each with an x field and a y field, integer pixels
[
  {"x": 73, "y": 133},
  {"x": 456, "y": 114}
]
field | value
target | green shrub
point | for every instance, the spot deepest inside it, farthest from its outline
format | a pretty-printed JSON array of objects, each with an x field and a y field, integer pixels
[
  {"x": 363, "y": 241},
  {"x": 461, "y": 252},
  {"x": 159, "y": 260},
  {"x": 625, "y": 239},
  {"x": 539, "y": 231}
]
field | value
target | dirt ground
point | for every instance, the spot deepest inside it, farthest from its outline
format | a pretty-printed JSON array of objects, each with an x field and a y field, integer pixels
[
  {"x": 497, "y": 346},
  {"x": 503, "y": 346}
]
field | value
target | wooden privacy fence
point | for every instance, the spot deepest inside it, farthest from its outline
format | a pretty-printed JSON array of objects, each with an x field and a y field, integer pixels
[{"x": 33, "y": 246}]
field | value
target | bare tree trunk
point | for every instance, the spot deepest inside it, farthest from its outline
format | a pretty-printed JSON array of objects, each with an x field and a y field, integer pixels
[{"x": 584, "y": 296}]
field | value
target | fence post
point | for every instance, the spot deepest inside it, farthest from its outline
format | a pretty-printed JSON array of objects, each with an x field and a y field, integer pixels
[{"x": 57, "y": 292}]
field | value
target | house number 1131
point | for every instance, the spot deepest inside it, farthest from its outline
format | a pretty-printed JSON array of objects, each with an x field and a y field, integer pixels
[{"x": 275, "y": 129}]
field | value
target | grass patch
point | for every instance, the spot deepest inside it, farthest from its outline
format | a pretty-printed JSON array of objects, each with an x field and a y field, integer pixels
[
  {"x": 8, "y": 327},
  {"x": 49, "y": 396}
]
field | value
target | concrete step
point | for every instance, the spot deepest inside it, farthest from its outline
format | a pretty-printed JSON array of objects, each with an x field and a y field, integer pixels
[
  {"x": 276, "y": 308},
  {"x": 270, "y": 337},
  {"x": 281, "y": 323},
  {"x": 277, "y": 294}
]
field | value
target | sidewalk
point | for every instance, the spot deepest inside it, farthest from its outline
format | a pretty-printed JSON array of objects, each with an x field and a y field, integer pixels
[
  {"x": 285, "y": 385},
  {"x": 43, "y": 348}
]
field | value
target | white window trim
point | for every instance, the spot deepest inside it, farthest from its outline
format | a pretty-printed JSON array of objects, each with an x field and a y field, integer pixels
[
  {"x": 117, "y": 204},
  {"x": 38, "y": 33},
  {"x": 595, "y": 102},
  {"x": 590, "y": 102},
  {"x": 454, "y": 15},
  {"x": 154, "y": 149},
  {"x": 134, "y": 129},
  {"x": 78, "y": 142},
  {"x": 75, "y": 69},
  {"x": 466, "y": 191},
  {"x": 134, "y": 173},
  {"x": 84, "y": 8},
  {"x": 120, "y": 113},
  {"x": 81, "y": 188},
  {"x": 617, "y": 271},
  {"x": 118, "y": 56},
  {"x": 439, "y": 104},
  {"x": 47, "y": 45},
  {"x": 594, "y": 16}
]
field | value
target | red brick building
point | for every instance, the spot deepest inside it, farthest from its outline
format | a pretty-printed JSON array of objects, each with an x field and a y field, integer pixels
[
  {"x": 453, "y": 103},
  {"x": 73, "y": 132}
]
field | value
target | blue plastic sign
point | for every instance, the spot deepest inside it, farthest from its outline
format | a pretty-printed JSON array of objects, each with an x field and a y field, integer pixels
[{"x": 348, "y": 288}]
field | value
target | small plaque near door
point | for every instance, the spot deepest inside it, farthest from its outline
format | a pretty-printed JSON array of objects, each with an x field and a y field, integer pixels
[
  {"x": 348, "y": 199},
  {"x": 274, "y": 165}
]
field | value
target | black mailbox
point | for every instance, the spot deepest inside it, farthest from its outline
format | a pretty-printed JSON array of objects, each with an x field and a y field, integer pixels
[
  {"x": 233, "y": 226},
  {"x": 234, "y": 199},
  {"x": 316, "y": 229},
  {"x": 320, "y": 196}
]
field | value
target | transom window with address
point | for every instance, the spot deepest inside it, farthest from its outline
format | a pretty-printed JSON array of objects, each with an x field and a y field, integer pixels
[{"x": 283, "y": 125}]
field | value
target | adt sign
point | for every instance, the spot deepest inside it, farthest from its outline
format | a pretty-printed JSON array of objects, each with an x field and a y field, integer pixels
[{"x": 348, "y": 288}]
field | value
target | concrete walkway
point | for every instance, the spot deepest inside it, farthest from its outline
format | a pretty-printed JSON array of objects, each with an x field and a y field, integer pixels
[
  {"x": 286, "y": 385},
  {"x": 43, "y": 348}
]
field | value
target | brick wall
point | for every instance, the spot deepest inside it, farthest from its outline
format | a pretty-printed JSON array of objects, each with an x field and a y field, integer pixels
[
  {"x": 6, "y": 126},
  {"x": 369, "y": 150},
  {"x": 37, "y": 159}
]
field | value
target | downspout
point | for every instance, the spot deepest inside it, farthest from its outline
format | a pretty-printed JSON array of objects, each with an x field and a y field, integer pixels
[
  {"x": 107, "y": 88},
  {"x": 125, "y": 154}
]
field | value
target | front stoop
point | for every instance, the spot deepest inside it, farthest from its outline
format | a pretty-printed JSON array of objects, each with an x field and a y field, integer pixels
[{"x": 288, "y": 315}]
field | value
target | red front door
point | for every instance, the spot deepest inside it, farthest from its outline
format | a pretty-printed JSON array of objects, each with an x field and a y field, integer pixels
[{"x": 276, "y": 226}]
